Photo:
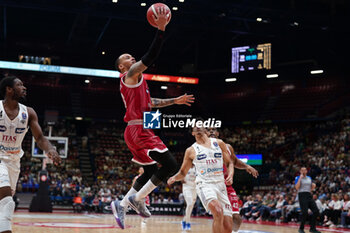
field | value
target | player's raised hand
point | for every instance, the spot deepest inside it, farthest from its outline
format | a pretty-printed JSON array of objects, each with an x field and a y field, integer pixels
[
  {"x": 54, "y": 156},
  {"x": 171, "y": 180},
  {"x": 252, "y": 171},
  {"x": 161, "y": 19},
  {"x": 185, "y": 99}
]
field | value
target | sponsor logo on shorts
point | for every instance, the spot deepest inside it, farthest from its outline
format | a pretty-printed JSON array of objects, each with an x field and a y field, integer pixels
[
  {"x": 202, "y": 172},
  {"x": 3, "y": 128},
  {"x": 201, "y": 156}
]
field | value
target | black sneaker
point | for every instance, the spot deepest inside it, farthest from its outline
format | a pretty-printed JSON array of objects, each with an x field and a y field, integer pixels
[{"x": 301, "y": 231}]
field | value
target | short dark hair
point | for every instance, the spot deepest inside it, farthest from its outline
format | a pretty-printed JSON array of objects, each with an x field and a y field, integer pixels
[
  {"x": 117, "y": 62},
  {"x": 8, "y": 81}
]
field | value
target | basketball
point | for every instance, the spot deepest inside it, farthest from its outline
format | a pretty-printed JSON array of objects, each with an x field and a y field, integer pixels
[{"x": 152, "y": 10}]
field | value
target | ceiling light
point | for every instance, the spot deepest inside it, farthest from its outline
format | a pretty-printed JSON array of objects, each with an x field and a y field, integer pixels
[
  {"x": 272, "y": 76},
  {"x": 143, "y": 4},
  {"x": 114, "y": 1},
  {"x": 230, "y": 80},
  {"x": 175, "y": 8},
  {"x": 316, "y": 71},
  {"x": 78, "y": 118},
  {"x": 181, "y": 0},
  {"x": 259, "y": 19},
  {"x": 103, "y": 52},
  {"x": 87, "y": 81},
  {"x": 163, "y": 87}
]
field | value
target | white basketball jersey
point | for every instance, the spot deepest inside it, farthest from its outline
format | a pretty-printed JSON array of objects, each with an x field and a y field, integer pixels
[
  {"x": 208, "y": 162},
  {"x": 12, "y": 133},
  {"x": 190, "y": 178}
]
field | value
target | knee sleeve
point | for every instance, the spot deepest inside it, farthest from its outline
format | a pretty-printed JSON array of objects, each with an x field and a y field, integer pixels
[
  {"x": 168, "y": 162},
  {"x": 7, "y": 207}
]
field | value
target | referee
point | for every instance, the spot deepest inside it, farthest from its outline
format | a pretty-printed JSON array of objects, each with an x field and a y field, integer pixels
[{"x": 304, "y": 185}]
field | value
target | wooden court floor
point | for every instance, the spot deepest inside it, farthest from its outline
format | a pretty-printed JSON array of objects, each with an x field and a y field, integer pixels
[{"x": 24, "y": 222}]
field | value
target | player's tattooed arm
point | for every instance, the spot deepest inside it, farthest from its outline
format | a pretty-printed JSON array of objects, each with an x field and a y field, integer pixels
[
  {"x": 160, "y": 103},
  {"x": 183, "y": 99},
  {"x": 135, "y": 72}
]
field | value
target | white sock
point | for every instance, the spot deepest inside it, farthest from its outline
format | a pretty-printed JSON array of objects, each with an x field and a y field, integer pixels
[
  {"x": 145, "y": 190},
  {"x": 234, "y": 231},
  {"x": 189, "y": 209},
  {"x": 125, "y": 203}
]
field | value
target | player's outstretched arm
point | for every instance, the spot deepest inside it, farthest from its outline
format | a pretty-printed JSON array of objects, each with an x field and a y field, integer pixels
[
  {"x": 41, "y": 140},
  {"x": 183, "y": 99},
  {"x": 240, "y": 165},
  {"x": 186, "y": 165},
  {"x": 228, "y": 162},
  {"x": 154, "y": 50}
]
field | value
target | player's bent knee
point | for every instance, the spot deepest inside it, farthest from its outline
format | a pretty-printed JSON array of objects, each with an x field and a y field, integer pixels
[
  {"x": 7, "y": 206},
  {"x": 216, "y": 209}
]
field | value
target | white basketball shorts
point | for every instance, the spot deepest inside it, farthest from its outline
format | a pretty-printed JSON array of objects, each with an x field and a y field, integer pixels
[{"x": 208, "y": 192}]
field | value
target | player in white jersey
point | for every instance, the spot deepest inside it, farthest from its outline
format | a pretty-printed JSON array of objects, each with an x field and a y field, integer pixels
[
  {"x": 15, "y": 119},
  {"x": 190, "y": 196},
  {"x": 232, "y": 196},
  {"x": 208, "y": 155}
]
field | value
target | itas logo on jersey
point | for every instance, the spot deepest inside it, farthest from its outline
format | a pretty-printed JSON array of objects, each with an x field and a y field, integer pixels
[
  {"x": 211, "y": 161},
  {"x": 3, "y": 128},
  {"x": 7, "y": 138},
  {"x": 151, "y": 120}
]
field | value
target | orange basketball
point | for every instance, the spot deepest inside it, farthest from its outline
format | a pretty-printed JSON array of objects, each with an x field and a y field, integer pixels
[{"x": 152, "y": 10}]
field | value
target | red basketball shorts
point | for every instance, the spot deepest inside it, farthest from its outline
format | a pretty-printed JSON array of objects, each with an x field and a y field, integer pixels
[
  {"x": 232, "y": 197},
  {"x": 140, "y": 142}
]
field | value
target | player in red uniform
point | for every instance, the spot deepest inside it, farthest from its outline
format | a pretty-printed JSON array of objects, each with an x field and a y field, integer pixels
[
  {"x": 146, "y": 147},
  {"x": 231, "y": 193}
]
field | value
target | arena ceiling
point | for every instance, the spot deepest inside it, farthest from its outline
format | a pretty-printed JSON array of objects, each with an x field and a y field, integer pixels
[{"x": 199, "y": 37}]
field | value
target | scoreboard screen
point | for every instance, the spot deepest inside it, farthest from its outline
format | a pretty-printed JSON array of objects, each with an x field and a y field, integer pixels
[
  {"x": 251, "y": 58},
  {"x": 251, "y": 159}
]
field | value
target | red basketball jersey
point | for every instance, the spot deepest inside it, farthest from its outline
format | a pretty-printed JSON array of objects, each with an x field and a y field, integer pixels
[{"x": 136, "y": 99}]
